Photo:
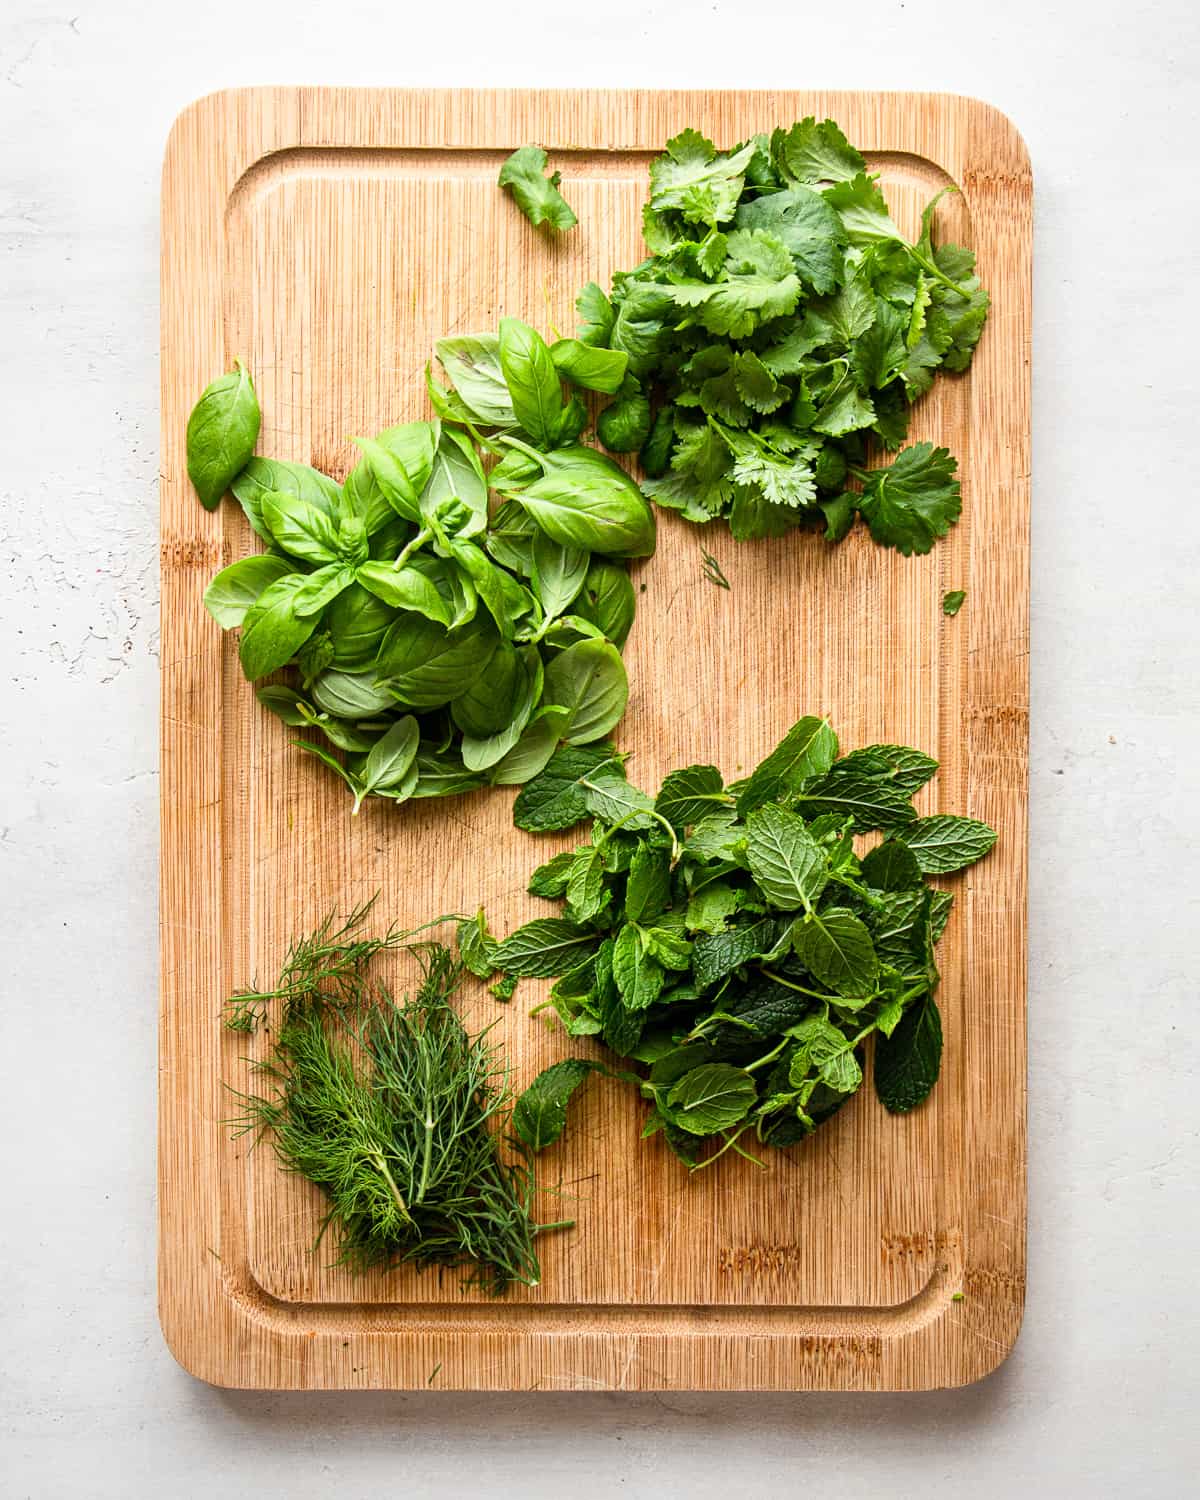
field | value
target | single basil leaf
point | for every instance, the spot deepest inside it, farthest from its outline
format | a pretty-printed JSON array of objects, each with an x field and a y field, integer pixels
[
  {"x": 607, "y": 600},
  {"x": 532, "y": 381},
  {"x": 456, "y": 587},
  {"x": 264, "y": 476},
  {"x": 908, "y": 1062},
  {"x": 405, "y": 588},
  {"x": 569, "y": 630},
  {"x": 545, "y": 947},
  {"x": 589, "y": 681},
  {"x": 585, "y": 500},
  {"x": 390, "y": 759},
  {"x": 440, "y": 775},
  {"x": 688, "y": 795},
  {"x": 586, "y": 365},
  {"x": 639, "y": 977},
  {"x": 536, "y": 194},
  {"x": 556, "y": 797},
  {"x": 299, "y": 527},
  {"x": 221, "y": 433},
  {"x": 472, "y": 361},
  {"x": 596, "y": 316},
  {"x": 319, "y": 590},
  {"x": 492, "y": 699},
  {"x": 457, "y": 474},
  {"x": 331, "y": 761},
  {"x": 272, "y": 632},
  {"x": 426, "y": 666},
  {"x": 558, "y": 573},
  {"x": 945, "y": 842},
  {"x": 507, "y": 601},
  {"x": 401, "y": 459},
  {"x": 351, "y": 695},
  {"x": 808, "y": 749},
  {"x": 711, "y": 1098},
  {"x": 836, "y": 947},
  {"x": 533, "y": 751},
  {"x": 788, "y": 865},
  {"x": 235, "y": 588},
  {"x": 540, "y": 1114}
]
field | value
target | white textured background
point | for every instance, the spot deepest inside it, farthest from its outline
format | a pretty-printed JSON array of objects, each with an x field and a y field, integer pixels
[{"x": 1098, "y": 1398}]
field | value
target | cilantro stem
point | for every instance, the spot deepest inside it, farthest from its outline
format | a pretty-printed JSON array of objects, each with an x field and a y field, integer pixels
[{"x": 931, "y": 267}]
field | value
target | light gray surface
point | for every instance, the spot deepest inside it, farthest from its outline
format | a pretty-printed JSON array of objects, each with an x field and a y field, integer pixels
[{"x": 1095, "y": 1401}]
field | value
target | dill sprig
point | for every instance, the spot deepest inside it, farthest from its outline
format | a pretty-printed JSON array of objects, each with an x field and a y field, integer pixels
[
  {"x": 712, "y": 570},
  {"x": 393, "y": 1110}
]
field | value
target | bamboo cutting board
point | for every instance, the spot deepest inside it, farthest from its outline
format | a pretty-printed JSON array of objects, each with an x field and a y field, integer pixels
[{"x": 328, "y": 236}]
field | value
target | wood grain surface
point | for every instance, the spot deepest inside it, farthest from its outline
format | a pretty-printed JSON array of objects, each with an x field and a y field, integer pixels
[{"x": 327, "y": 237}]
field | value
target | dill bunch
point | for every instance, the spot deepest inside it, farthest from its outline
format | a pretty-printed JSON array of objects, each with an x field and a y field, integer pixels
[{"x": 392, "y": 1109}]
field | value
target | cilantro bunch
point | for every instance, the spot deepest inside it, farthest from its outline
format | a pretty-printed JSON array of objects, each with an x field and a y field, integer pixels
[
  {"x": 777, "y": 336},
  {"x": 732, "y": 942}
]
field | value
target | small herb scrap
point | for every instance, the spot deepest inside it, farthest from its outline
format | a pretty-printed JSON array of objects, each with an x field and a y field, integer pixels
[
  {"x": 712, "y": 570},
  {"x": 535, "y": 193},
  {"x": 438, "y": 647},
  {"x": 392, "y": 1109},
  {"x": 729, "y": 939},
  {"x": 953, "y": 601},
  {"x": 777, "y": 336}
]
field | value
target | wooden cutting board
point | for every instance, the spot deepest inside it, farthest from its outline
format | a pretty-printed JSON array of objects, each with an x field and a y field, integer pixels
[{"x": 328, "y": 236}]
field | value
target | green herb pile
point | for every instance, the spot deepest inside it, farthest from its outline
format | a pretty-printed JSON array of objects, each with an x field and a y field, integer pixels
[
  {"x": 731, "y": 940},
  {"x": 437, "y": 646},
  {"x": 392, "y": 1110},
  {"x": 779, "y": 333}
]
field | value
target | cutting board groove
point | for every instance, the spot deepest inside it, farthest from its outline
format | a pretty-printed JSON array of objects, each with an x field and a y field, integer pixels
[{"x": 327, "y": 236}]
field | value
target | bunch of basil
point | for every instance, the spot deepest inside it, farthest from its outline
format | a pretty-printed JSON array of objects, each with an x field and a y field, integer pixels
[{"x": 438, "y": 646}]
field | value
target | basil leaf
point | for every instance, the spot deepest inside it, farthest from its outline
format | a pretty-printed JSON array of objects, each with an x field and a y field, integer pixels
[
  {"x": 272, "y": 632},
  {"x": 808, "y": 749},
  {"x": 589, "y": 367},
  {"x": 350, "y": 695},
  {"x": 299, "y": 527},
  {"x": 595, "y": 316},
  {"x": 404, "y": 588},
  {"x": 589, "y": 681},
  {"x": 362, "y": 497},
  {"x": 533, "y": 752},
  {"x": 532, "y": 381},
  {"x": 321, "y": 588},
  {"x": 264, "y": 476},
  {"x": 443, "y": 776},
  {"x": 235, "y": 588},
  {"x": 401, "y": 459},
  {"x": 283, "y": 703},
  {"x": 510, "y": 538},
  {"x": 584, "y": 500},
  {"x": 356, "y": 622},
  {"x": 457, "y": 474},
  {"x": 481, "y": 752},
  {"x": 945, "y": 842},
  {"x": 607, "y": 600},
  {"x": 457, "y": 590},
  {"x": 491, "y": 700},
  {"x": 908, "y": 1062},
  {"x": 507, "y": 601},
  {"x": 390, "y": 759},
  {"x": 331, "y": 761},
  {"x": 426, "y": 666},
  {"x": 558, "y": 573},
  {"x": 544, "y": 948},
  {"x": 221, "y": 433},
  {"x": 711, "y": 1098},
  {"x": 540, "y": 1114},
  {"x": 472, "y": 361}
]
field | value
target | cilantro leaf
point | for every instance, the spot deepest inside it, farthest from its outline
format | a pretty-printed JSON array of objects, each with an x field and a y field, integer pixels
[
  {"x": 812, "y": 153},
  {"x": 536, "y": 195},
  {"x": 914, "y": 501},
  {"x": 693, "y": 178}
]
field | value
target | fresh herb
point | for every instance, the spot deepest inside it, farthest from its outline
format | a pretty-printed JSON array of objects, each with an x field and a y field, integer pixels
[
  {"x": 777, "y": 336},
  {"x": 536, "y": 195},
  {"x": 436, "y": 647},
  {"x": 392, "y": 1109},
  {"x": 953, "y": 601},
  {"x": 221, "y": 433},
  {"x": 541, "y": 1112},
  {"x": 732, "y": 941},
  {"x": 712, "y": 570}
]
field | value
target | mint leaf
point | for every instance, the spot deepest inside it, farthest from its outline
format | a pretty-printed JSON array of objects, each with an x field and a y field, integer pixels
[
  {"x": 945, "y": 842},
  {"x": 613, "y": 800},
  {"x": 689, "y": 795},
  {"x": 543, "y": 948},
  {"x": 953, "y": 601},
  {"x": 556, "y": 797},
  {"x": 711, "y": 1098},
  {"x": 808, "y": 749},
  {"x": 788, "y": 865},
  {"x": 648, "y": 889},
  {"x": 476, "y": 946},
  {"x": 535, "y": 194},
  {"x": 836, "y": 947},
  {"x": 540, "y": 1114},
  {"x": 908, "y": 1062},
  {"x": 638, "y": 976},
  {"x": 550, "y": 879}
]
